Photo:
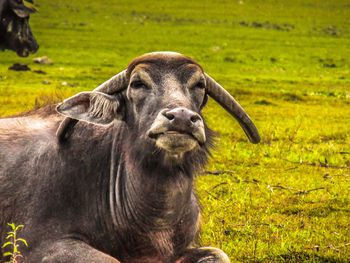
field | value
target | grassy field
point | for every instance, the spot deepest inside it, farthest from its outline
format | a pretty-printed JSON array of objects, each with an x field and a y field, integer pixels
[{"x": 287, "y": 62}]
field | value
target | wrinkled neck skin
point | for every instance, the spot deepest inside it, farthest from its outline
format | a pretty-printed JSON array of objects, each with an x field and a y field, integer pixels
[
  {"x": 150, "y": 204},
  {"x": 151, "y": 192}
]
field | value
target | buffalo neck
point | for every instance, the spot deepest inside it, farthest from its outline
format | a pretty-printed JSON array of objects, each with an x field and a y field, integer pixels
[{"x": 152, "y": 194}]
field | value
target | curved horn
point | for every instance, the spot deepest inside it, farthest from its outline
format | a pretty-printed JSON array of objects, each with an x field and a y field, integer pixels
[
  {"x": 111, "y": 86},
  {"x": 220, "y": 95},
  {"x": 114, "y": 84}
]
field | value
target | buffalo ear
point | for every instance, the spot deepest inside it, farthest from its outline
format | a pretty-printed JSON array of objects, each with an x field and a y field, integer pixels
[
  {"x": 94, "y": 107},
  {"x": 20, "y": 9}
]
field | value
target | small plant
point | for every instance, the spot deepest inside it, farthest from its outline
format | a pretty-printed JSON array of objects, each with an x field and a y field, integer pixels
[{"x": 14, "y": 242}]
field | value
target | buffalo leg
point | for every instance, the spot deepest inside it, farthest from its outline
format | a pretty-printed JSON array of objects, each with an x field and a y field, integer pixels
[
  {"x": 204, "y": 255},
  {"x": 70, "y": 251}
]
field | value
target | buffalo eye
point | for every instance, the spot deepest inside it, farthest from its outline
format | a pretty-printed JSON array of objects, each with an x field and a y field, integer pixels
[
  {"x": 138, "y": 84},
  {"x": 199, "y": 85},
  {"x": 198, "y": 93}
]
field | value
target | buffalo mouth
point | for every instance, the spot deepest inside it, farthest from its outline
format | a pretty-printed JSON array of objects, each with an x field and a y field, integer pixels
[
  {"x": 23, "y": 53},
  {"x": 175, "y": 141},
  {"x": 27, "y": 49}
]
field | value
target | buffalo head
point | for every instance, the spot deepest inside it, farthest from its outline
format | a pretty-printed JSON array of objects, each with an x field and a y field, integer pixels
[
  {"x": 15, "y": 32},
  {"x": 160, "y": 95}
]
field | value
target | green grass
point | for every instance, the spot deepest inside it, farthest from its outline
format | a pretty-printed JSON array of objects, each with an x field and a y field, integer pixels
[{"x": 287, "y": 62}]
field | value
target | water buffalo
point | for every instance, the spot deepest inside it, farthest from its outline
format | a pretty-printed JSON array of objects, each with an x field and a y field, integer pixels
[
  {"x": 15, "y": 32},
  {"x": 120, "y": 187}
]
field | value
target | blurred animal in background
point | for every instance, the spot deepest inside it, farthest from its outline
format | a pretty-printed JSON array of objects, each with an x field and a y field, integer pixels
[{"x": 15, "y": 32}]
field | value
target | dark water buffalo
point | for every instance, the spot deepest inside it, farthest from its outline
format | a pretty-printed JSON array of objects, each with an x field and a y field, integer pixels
[
  {"x": 120, "y": 188},
  {"x": 15, "y": 32}
]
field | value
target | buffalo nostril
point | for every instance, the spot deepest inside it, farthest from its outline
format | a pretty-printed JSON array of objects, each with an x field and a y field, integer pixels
[
  {"x": 181, "y": 116},
  {"x": 195, "y": 118},
  {"x": 170, "y": 116}
]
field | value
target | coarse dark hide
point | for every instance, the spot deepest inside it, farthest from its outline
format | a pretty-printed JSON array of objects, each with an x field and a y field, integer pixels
[
  {"x": 118, "y": 185},
  {"x": 15, "y": 32}
]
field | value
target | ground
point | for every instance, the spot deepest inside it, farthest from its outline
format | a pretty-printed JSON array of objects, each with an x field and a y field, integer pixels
[{"x": 287, "y": 62}]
